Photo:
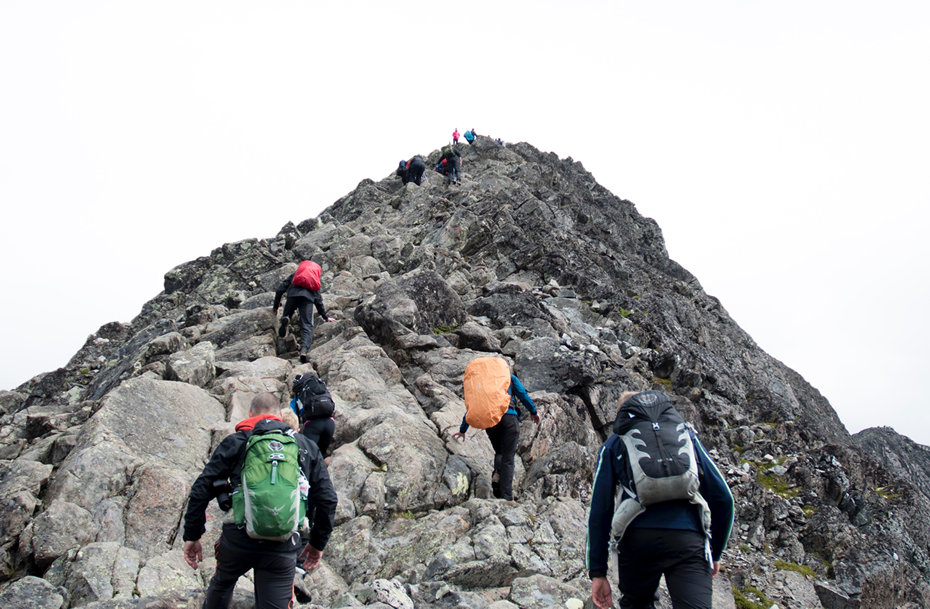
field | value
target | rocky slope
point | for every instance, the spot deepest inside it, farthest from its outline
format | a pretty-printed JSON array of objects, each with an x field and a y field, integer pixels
[{"x": 529, "y": 258}]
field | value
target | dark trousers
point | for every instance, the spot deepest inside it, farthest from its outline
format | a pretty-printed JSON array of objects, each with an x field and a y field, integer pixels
[
  {"x": 504, "y": 438},
  {"x": 305, "y": 307},
  {"x": 645, "y": 554},
  {"x": 321, "y": 432},
  {"x": 273, "y": 562}
]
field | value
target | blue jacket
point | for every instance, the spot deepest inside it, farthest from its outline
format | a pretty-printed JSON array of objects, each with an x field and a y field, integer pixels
[
  {"x": 515, "y": 391},
  {"x": 678, "y": 515}
]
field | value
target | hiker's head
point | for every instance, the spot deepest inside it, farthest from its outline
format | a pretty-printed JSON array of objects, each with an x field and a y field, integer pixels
[
  {"x": 624, "y": 397},
  {"x": 290, "y": 419},
  {"x": 265, "y": 403}
]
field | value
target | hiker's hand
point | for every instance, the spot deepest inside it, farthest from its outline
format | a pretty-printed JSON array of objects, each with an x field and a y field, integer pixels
[
  {"x": 193, "y": 553},
  {"x": 716, "y": 569},
  {"x": 275, "y": 312},
  {"x": 459, "y": 435},
  {"x": 330, "y": 319},
  {"x": 600, "y": 592},
  {"x": 311, "y": 557},
  {"x": 535, "y": 418}
]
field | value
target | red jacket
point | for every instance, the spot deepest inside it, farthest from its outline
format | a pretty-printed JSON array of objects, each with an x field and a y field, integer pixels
[
  {"x": 455, "y": 134},
  {"x": 248, "y": 424}
]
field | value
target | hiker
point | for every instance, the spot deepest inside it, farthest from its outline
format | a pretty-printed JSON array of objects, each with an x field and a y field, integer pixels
[
  {"x": 303, "y": 293},
  {"x": 470, "y": 136},
  {"x": 455, "y": 136},
  {"x": 489, "y": 379},
  {"x": 241, "y": 546},
  {"x": 402, "y": 171},
  {"x": 451, "y": 160},
  {"x": 415, "y": 169},
  {"x": 314, "y": 404},
  {"x": 289, "y": 418},
  {"x": 673, "y": 518}
]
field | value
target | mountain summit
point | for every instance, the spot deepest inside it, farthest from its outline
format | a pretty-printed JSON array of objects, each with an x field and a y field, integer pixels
[{"x": 528, "y": 258}]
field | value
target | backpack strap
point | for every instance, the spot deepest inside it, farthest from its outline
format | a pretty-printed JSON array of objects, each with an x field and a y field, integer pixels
[{"x": 237, "y": 468}]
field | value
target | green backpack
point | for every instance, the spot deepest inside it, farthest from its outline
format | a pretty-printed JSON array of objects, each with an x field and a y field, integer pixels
[{"x": 271, "y": 500}]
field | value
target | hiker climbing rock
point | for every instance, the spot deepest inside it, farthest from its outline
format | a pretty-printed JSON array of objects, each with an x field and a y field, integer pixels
[
  {"x": 451, "y": 161},
  {"x": 251, "y": 539},
  {"x": 491, "y": 394},
  {"x": 314, "y": 404},
  {"x": 402, "y": 171},
  {"x": 455, "y": 136},
  {"x": 415, "y": 169},
  {"x": 674, "y": 514},
  {"x": 303, "y": 293},
  {"x": 470, "y": 136}
]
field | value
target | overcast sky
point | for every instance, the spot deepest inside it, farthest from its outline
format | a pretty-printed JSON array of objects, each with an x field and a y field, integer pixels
[{"x": 782, "y": 147}]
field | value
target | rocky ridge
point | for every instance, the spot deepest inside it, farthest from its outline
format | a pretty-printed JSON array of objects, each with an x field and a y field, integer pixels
[{"x": 528, "y": 258}]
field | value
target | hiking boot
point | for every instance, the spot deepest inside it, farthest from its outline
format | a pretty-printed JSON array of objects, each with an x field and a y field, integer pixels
[
  {"x": 282, "y": 329},
  {"x": 303, "y": 356}
]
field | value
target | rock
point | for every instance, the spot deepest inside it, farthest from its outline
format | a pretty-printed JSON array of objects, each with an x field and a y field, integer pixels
[
  {"x": 166, "y": 422},
  {"x": 419, "y": 301},
  {"x": 168, "y": 343},
  {"x": 166, "y": 573},
  {"x": 539, "y": 591},
  {"x": 10, "y": 401},
  {"x": 62, "y": 527},
  {"x": 31, "y": 593},
  {"x": 479, "y": 338},
  {"x": 529, "y": 258},
  {"x": 195, "y": 366}
]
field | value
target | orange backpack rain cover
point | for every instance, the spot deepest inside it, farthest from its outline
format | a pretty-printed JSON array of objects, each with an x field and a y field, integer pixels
[{"x": 486, "y": 382}]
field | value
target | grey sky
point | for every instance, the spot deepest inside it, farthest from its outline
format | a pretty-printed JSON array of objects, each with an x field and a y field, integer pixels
[{"x": 782, "y": 147}]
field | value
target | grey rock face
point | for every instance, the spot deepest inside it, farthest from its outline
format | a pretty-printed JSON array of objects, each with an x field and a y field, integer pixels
[{"x": 528, "y": 258}]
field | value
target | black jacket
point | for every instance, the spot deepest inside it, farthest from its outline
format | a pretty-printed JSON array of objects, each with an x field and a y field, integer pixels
[
  {"x": 224, "y": 464},
  {"x": 296, "y": 290}
]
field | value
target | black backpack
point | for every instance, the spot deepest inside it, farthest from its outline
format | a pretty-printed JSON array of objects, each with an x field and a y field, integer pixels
[
  {"x": 315, "y": 397},
  {"x": 661, "y": 459}
]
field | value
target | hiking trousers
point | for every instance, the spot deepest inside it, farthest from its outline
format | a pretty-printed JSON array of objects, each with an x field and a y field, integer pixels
[
  {"x": 504, "y": 438},
  {"x": 273, "y": 562},
  {"x": 645, "y": 554},
  {"x": 320, "y": 431},
  {"x": 305, "y": 307}
]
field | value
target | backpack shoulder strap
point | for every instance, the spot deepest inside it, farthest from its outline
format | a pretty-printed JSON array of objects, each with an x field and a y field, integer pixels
[{"x": 237, "y": 468}]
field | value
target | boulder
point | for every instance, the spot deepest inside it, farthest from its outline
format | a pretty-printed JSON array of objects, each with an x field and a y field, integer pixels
[
  {"x": 195, "y": 366},
  {"x": 31, "y": 593},
  {"x": 420, "y": 302},
  {"x": 62, "y": 527}
]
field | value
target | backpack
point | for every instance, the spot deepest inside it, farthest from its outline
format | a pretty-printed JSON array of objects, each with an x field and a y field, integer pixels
[
  {"x": 661, "y": 459},
  {"x": 446, "y": 152},
  {"x": 271, "y": 500},
  {"x": 308, "y": 275},
  {"x": 486, "y": 384},
  {"x": 314, "y": 396}
]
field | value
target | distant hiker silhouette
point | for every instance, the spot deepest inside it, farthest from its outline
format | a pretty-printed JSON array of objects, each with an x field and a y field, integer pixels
[
  {"x": 402, "y": 172},
  {"x": 470, "y": 136},
  {"x": 491, "y": 394},
  {"x": 303, "y": 293},
  {"x": 244, "y": 543},
  {"x": 455, "y": 136},
  {"x": 451, "y": 160},
  {"x": 415, "y": 169}
]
